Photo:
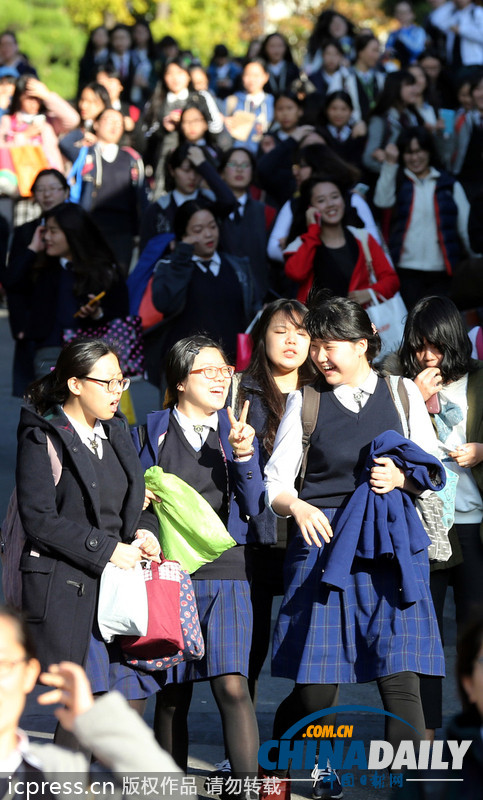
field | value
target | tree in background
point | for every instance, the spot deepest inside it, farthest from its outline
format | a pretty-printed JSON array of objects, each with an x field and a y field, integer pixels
[{"x": 48, "y": 36}]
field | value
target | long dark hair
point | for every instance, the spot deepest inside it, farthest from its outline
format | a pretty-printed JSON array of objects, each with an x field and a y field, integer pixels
[
  {"x": 179, "y": 363},
  {"x": 340, "y": 319},
  {"x": 321, "y": 29},
  {"x": 390, "y": 96},
  {"x": 299, "y": 222},
  {"x": 287, "y": 57},
  {"x": 20, "y": 89},
  {"x": 320, "y": 158},
  {"x": 437, "y": 320},
  {"x": 75, "y": 361},
  {"x": 259, "y": 369},
  {"x": 93, "y": 263}
]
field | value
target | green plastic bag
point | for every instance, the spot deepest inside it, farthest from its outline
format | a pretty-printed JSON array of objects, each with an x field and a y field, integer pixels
[{"x": 189, "y": 530}]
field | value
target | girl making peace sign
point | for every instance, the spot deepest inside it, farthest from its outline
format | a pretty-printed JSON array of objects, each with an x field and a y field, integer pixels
[{"x": 218, "y": 456}]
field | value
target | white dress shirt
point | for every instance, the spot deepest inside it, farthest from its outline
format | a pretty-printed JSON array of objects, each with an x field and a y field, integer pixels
[
  {"x": 195, "y": 439},
  {"x": 284, "y": 465}
]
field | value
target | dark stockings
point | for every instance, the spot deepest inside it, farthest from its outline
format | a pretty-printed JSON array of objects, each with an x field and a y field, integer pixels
[{"x": 240, "y": 730}]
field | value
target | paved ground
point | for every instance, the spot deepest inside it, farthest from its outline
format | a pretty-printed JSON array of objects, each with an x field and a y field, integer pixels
[{"x": 206, "y": 742}]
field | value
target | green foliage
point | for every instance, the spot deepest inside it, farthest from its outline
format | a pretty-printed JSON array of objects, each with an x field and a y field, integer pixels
[
  {"x": 47, "y": 35},
  {"x": 200, "y": 24}
]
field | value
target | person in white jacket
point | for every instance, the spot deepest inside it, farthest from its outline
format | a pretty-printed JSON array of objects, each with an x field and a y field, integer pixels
[{"x": 462, "y": 22}]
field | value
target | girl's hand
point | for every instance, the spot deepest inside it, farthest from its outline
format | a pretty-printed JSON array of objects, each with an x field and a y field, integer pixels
[
  {"x": 150, "y": 547},
  {"x": 312, "y": 216},
  {"x": 361, "y": 296},
  {"x": 196, "y": 155},
  {"x": 149, "y": 496},
  {"x": 379, "y": 155},
  {"x": 37, "y": 244},
  {"x": 429, "y": 382},
  {"x": 125, "y": 556},
  {"x": 468, "y": 455},
  {"x": 90, "y": 309},
  {"x": 359, "y": 129},
  {"x": 312, "y": 522},
  {"x": 71, "y": 687},
  {"x": 385, "y": 476},
  {"x": 241, "y": 435},
  {"x": 392, "y": 154}
]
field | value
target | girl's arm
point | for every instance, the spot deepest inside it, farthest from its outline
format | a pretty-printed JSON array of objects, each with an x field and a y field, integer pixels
[
  {"x": 172, "y": 276},
  {"x": 299, "y": 255}
]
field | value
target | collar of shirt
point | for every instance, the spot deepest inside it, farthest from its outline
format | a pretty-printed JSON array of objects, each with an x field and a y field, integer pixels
[
  {"x": 11, "y": 763},
  {"x": 196, "y": 440},
  {"x": 214, "y": 266},
  {"x": 86, "y": 434},
  {"x": 432, "y": 175},
  {"x": 276, "y": 69},
  {"x": 242, "y": 201},
  {"x": 171, "y": 97},
  {"x": 179, "y": 198},
  {"x": 256, "y": 99},
  {"x": 64, "y": 262},
  {"x": 345, "y": 393},
  {"x": 108, "y": 151},
  {"x": 342, "y": 134}
]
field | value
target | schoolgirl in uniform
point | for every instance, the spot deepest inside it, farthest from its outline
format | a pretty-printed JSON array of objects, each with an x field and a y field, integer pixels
[
  {"x": 73, "y": 529},
  {"x": 206, "y": 447},
  {"x": 365, "y": 631}
]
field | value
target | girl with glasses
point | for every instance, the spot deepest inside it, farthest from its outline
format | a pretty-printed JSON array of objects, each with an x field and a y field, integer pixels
[
  {"x": 203, "y": 444},
  {"x": 88, "y": 517}
]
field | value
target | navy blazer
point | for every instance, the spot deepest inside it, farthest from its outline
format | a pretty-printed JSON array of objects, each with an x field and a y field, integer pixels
[
  {"x": 66, "y": 549},
  {"x": 247, "y": 491}
]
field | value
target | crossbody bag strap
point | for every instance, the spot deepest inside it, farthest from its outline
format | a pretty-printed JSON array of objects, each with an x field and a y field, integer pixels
[{"x": 310, "y": 412}]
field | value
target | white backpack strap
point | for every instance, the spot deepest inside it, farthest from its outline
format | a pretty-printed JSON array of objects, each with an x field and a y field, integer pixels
[{"x": 362, "y": 236}]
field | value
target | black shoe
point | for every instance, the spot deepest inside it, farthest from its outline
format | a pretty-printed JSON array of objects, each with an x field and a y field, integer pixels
[{"x": 327, "y": 785}]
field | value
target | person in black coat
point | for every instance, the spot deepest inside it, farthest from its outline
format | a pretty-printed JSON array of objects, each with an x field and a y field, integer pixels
[
  {"x": 73, "y": 529},
  {"x": 66, "y": 265},
  {"x": 49, "y": 189}
]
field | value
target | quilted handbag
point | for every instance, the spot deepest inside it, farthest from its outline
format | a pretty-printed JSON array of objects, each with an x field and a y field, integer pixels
[
  {"x": 192, "y": 648},
  {"x": 125, "y": 334}
]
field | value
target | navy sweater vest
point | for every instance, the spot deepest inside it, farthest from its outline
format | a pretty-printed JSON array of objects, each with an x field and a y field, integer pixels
[{"x": 340, "y": 445}]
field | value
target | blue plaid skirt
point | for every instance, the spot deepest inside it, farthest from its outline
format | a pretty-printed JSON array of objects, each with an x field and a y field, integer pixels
[
  {"x": 356, "y": 635},
  {"x": 226, "y": 620},
  {"x": 107, "y": 671}
]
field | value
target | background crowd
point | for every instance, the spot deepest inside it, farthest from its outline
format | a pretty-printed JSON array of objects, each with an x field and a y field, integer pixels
[{"x": 206, "y": 197}]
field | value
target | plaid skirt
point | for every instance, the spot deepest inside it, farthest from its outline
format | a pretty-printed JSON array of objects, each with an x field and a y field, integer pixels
[
  {"x": 107, "y": 671},
  {"x": 356, "y": 635},
  {"x": 226, "y": 620}
]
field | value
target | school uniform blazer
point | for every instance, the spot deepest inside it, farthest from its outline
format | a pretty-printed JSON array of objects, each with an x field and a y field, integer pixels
[
  {"x": 299, "y": 265},
  {"x": 67, "y": 549},
  {"x": 247, "y": 492}
]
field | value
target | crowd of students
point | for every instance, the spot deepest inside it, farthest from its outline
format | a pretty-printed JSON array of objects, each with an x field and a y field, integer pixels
[{"x": 234, "y": 190}]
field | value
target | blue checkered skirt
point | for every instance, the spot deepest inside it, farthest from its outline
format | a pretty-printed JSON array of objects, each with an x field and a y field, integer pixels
[
  {"x": 356, "y": 635},
  {"x": 226, "y": 619},
  {"x": 107, "y": 670}
]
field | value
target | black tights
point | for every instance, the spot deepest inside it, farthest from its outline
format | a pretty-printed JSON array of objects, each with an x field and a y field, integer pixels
[
  {"x": 399, "y": 693},
  {"x": 240, "y": 730}
]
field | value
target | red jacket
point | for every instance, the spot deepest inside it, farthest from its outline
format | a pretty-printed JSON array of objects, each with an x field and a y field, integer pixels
[{"x": 299, "y": 260}]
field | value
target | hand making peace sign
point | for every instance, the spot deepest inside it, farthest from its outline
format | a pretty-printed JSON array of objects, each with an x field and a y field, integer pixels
[{"x": 241, "y": 434}]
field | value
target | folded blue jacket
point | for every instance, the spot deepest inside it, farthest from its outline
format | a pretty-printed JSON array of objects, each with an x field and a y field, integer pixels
[{"x": 384, "y": 525}]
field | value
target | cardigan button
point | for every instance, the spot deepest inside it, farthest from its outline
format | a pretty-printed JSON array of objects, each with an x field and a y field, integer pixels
[
  {"x": 94, "y": 542},
  {"x": 249, "y": 475},
  {"x": 93, "y": 484},
  {"x": 75, "y": 449}
]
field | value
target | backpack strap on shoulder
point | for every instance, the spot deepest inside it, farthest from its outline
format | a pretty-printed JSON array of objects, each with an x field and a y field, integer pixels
[
  {"x": 399, "y": 394},
  {"x": 310, "y": 412}
]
